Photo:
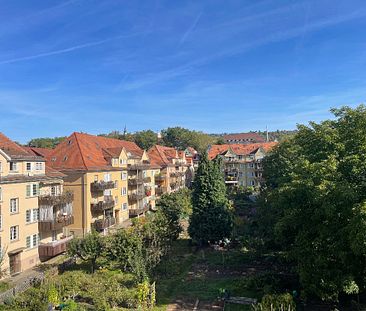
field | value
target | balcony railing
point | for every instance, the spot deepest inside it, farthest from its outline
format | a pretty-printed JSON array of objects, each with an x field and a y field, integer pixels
[
  {"x": 101, "y": 224},
  {"x": 161, "y": 190},
  {"x": 160, "y": 178},
  {"x": 99, "y": 186},
  {"x": 135, "y": 181},
  {"x": 56, "y": 200},
  {"x": 138, "y": 211},
  {"x": 136, "y": 196},
  {"x": 57, "y": 224},
  {"x": 52, "y": 249},
  {"x": 107, "y": 203},
  {"x": 138, "y": 167}
]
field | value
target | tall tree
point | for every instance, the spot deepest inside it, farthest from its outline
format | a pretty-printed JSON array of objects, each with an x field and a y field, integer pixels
[
  {"x": 211, "y": 218},
  {"x": 146, "y": 139},
  {"x": 314, "y": 204}
]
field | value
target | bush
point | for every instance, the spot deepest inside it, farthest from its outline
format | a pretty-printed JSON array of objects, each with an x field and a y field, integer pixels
[{"x": 283, "y": 302}]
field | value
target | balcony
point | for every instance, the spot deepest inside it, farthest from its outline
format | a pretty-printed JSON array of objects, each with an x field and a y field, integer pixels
[
  {"x": 99, "y": 186},
  {"x": 56, "y": 200},
  {"x": 52, "y": 249},
  {"x": 138, "y": 211},
  {"x": 56, "y": 224},
  {"x": 138, "y": 167},
  {"x": 101, "y": 224},
  {"x": 135, "y": 181},
  {"x": 136, "y": 196},
  {"x": 231, "y": 180},
  {"x": 107, "y": 203},
  {"x": 160, "y": 191},
  {"x": 160, "y": 178}
]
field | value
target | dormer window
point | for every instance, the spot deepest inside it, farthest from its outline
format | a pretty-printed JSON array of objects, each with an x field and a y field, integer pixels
[
  {"x": 65, "y": 158},
  {"x": 69, "y": 142}
]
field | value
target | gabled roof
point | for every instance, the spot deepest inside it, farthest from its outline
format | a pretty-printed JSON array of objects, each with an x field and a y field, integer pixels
[
  {"x": 163, "y": 156},
  {"x": 41, "y": 152},
  {"x": 250, "y": 137},
  {"x": 15, "y": 151},
  {"x": 239, "y": 149},
  {"x": 82, "y": 151}
]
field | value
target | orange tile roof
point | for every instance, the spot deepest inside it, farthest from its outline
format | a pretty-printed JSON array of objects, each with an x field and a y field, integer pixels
[
  {"x": 82, "y": 151},
  {"x": 51, "y": 172},
  {"x": 239, "y": 149},
  {"x": 14, "y": 150},
  {"x": 162, "y": 155},
  {"x": 41, "y": 152}
]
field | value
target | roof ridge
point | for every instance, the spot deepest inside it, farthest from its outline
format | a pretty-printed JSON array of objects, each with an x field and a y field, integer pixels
[{"x": 81, "y": 153}]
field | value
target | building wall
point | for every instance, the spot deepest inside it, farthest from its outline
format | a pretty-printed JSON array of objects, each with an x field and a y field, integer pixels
[{"x": 29, "y": 256}]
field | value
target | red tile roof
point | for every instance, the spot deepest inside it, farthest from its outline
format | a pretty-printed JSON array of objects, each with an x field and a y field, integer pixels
[
  {"x": 82, "y": 151},
  {"x": 14, "y": 150},
  {"x": 239, "y": 149},
  {"x": 251, "y": 137},
  {"x": 41, "y": 152},
  {"x": 161, "y": 155}
]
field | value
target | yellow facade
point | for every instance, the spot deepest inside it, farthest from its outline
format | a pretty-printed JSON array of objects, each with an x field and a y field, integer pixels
[{"x": 100, "y": 196}]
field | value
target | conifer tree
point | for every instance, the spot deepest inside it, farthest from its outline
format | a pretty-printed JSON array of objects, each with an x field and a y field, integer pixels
[{"x": 211, "y": 218}]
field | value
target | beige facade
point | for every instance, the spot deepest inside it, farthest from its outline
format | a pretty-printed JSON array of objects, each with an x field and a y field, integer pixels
[
  {"x": 24, "y": 185},
  {"x": 243, "y": 170}
]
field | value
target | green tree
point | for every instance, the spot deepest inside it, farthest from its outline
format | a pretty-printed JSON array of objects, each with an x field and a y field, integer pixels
[
  {"x": 45, "y": 142},
  {"x": 146, "y": 139},
  {"x": 314, "y": 203},
  {"x": 182, "y": 138},
  {"x": 211, "y": 218},
  {"x": 89, "y": 248}
]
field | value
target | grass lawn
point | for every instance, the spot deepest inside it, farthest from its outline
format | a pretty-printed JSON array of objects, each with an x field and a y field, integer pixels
[{"x": 4, "y": 286}]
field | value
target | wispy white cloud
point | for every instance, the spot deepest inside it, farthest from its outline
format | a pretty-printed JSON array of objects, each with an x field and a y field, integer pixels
[
  {"x": 68, "y": 50},
  {"x": 191, "y": 28}
]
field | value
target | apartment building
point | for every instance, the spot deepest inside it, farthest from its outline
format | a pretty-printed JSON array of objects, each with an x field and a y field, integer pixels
[
  {"x": 242, "y": 163},
  {"x": 104, "y": 175},
  {"x": 34, "y": 208},
  {"x": 175, "y": 172}
]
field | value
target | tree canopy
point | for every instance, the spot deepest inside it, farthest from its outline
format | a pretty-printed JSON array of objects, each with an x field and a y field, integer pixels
[
  {"x": 211, "y": 218},
  {"x": 314, "y": 204},
  {"x": 46, "y": 142}
]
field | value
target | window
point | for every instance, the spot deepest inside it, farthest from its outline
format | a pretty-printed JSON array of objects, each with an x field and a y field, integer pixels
[
  {"x": 39, "y": 166},
  {"x": 124, "y": 191},
  {"x": 29, "y": 166},
  {"x": 252, "y": 183},
  {"x": 35, "y": 240},
  {"x": 14, "y": 233},
  {"x": 124, "y": 207},
  {"x": 32, "y": 190},
  {"x": 35, "y": 217},
  {"x": 14, "y": 206},
  {"x": 1, "y": 194},
  {"x": 124, "y": 175},
  {"x": 95, "y": 177},
  {"x": 28, "y": 242},
  {"x": 31, "y": 215},
  {"x": 28, "y": 216},
  {"x": 13, "y": 166},
  {"x": 107, "y": 177},
  {"x": 32, "y": 240},
  {"x": 53, "y": 190}
]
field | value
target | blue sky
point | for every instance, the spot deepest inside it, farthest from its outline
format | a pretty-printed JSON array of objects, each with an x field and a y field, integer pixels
[{"x": 216, "y": 66}]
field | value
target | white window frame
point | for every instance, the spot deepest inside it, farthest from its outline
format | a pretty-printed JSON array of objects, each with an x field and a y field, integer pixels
[
  {"x": 14, "y": 233},
  {"x": 14, "y": 209}
]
